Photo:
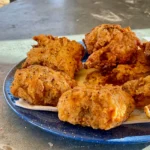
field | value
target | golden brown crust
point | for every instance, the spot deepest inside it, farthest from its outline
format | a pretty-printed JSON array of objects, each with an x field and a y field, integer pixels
[
  {"x": 140, "y": 90},
  {"x": 100, "y": 109},
  {"x": 126, "y": 72},
  {"x": 110, "y": 45},
  {"x": 59, "y": 54},
  {"x": 40, "y": 85},
  {"x": 100, "y": 36},
  {"x": 122, "y": 73}
]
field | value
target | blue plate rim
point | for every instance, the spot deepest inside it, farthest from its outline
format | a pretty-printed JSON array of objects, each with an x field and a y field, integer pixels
[{"x": 125, "y": 140}]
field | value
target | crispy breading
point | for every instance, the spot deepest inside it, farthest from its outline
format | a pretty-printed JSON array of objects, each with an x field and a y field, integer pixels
[
  {"x": 140, "y": 90},
  {"x": 100, "y": 36},
  {"x": 126, "y": 72},
  {"x": 40, "y": 85},
  {"x": 100, "y": 109},
  {"x": 122, "y": 73},
  {"x": 110, "y": 45},
  {"x": 57, "y": 53}
]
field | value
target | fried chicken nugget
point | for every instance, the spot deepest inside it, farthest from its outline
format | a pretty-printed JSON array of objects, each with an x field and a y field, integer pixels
[
  {"x": 140, "y": 90},
  {"x": 57, "y": 53},
  {"x": 110, "y": 45},
  {"x": 126, "y": 72},
  {"x": 100, "y": 109},
  {"x": 122, "y": 73},
  {"x": 40, "y": 85}
]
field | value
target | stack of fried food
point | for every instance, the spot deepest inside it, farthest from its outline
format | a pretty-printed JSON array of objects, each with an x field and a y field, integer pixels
[
  {"x": 48, "y": 70},
  {"x": 118, "y": 84}
]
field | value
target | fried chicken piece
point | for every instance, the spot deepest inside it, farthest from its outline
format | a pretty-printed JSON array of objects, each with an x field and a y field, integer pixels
[
  {"x": 59, "y": 54},
  {"x": 40, "y": 85},
  {"x": 110, "y": 45},
  {"x": 140, "y": 90},
  {"x": 100, "y": 109},
  {"x": 122, "y": 73},
  {"x": 102, "y": 35},
  {"x": 126, "y": 72}
]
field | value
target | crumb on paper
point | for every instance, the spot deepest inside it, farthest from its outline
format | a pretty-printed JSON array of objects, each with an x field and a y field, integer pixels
[
  {"x": 50, "y": 144},
  {"x": 147, "y": 110}
]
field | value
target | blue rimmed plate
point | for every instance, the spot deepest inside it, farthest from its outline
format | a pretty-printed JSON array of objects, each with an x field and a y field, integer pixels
[{"x": 48, "y": 121}]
